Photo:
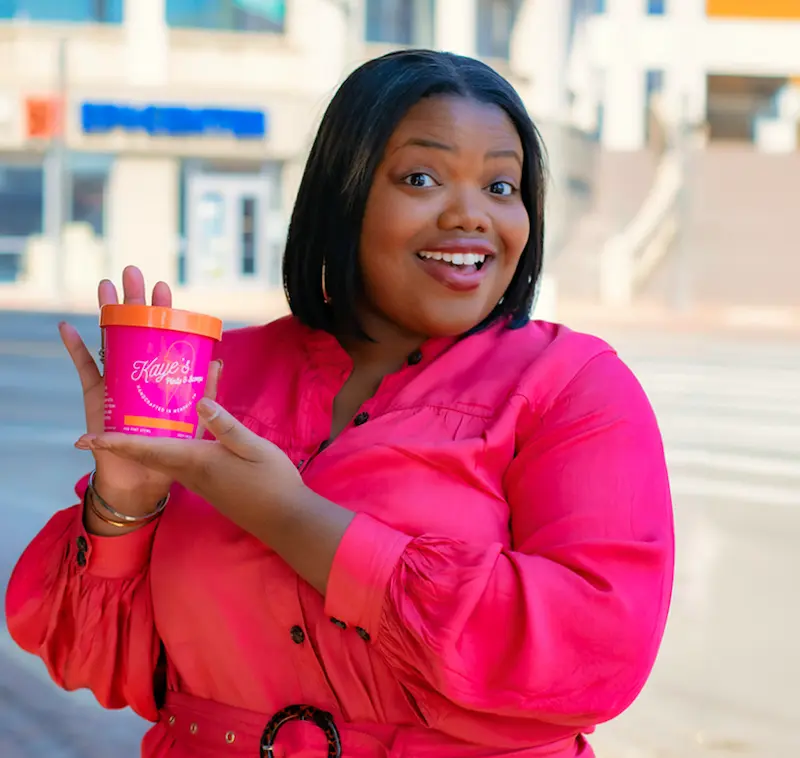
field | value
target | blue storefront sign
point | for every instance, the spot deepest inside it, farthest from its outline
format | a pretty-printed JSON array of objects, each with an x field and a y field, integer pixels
[{"x": 173, "y": 120}]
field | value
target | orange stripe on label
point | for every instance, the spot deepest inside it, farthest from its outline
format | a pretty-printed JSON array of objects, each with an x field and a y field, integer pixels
[{"x": 159, "y": 423}]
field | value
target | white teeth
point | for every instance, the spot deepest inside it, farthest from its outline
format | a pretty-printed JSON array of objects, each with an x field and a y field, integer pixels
[{"x": 457, "y": 259}]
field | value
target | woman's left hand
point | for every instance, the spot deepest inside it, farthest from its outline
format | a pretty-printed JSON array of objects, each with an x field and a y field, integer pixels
[{"x": 239, "y": 473}]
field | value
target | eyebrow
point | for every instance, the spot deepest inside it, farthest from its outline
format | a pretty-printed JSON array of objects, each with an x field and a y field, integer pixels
[
  {"x": 509, "y": 153},
  {"x": 429, "y": 143}
]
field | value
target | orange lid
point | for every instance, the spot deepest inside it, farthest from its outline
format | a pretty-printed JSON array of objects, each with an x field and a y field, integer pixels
[{"x": 159, "y": 317}]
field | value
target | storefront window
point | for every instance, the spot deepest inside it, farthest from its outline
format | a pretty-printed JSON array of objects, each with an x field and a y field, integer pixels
[
  {"x": 21, "y": 213},
  {"x": 79, "y": 11},
  {"x": 22, "y": 203},
  {"x": 400, "y": 22},
  {"x": 21, "y": 198},
  {"x": 231, "y": 15},
  {"x": 496, "y": 20},
  {"x": 88, "y": 179}
]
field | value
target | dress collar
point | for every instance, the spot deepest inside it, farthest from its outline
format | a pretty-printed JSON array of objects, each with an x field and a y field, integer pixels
[{"x": 326, "y": 351}]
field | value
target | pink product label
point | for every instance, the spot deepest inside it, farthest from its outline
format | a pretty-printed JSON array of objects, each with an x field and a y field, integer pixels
[{"x": 153, "y": 380}]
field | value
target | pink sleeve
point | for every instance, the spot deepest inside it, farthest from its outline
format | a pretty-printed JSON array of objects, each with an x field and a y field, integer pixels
[
  {"x": 563, "y": 628},
  {"x": 82, "y": 604}
]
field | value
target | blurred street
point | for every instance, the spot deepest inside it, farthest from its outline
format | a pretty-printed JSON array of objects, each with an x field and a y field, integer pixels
[
  {"x": 725, "y": 684},
  {"x": 40, "y": 412}
]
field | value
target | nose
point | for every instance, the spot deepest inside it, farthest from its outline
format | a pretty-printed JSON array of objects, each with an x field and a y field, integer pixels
[{"x": 466, "y": 211}]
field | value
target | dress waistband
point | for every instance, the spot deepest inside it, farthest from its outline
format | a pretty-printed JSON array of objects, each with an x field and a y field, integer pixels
[{"x": 207, "y": 729}]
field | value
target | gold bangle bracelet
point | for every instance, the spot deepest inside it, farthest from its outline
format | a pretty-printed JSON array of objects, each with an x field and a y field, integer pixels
[
  {"x": 102, "y": 516},
  {"x": 122, "y": 518}
]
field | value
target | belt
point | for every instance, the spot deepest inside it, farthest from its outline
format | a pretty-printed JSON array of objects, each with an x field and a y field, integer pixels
[{"x": 208, "y": 728}]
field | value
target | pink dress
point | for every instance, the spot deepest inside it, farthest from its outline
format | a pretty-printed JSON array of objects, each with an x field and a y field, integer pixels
[{"x": 503, "y": 589}]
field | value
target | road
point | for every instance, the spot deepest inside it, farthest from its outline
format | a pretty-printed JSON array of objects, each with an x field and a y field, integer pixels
[
  {"x": 724, "y": 685},
  {"x": 725, "y": 682}
]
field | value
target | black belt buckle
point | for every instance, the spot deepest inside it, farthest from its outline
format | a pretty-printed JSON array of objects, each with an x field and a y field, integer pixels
[{"x": 317, "y": 716}]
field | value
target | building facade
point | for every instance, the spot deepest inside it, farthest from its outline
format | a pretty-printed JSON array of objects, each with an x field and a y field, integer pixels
[
  {"x": 731, "y": 64},
  {"x": 173, "y": 133}
]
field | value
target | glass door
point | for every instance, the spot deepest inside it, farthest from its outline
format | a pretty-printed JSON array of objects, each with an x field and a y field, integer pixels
[{"x": 228, "y": 242}]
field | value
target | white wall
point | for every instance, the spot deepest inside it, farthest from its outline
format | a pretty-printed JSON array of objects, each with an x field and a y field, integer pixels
[
  {"x": 625, "y": 43},
  {"x": 142, "y": 215},
  {"x": 456, "y": 26},
  {"x": 146, "y": 42},
  {"x": 539, "y": 52}
]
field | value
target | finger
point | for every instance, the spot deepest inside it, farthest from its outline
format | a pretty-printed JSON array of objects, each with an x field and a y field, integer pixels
[
  {"x": 107, "y": 293},
  {"x": 88, "y": 372},
  {"x": 133, "y": 286},
  {"x": 162, "y": 295},
  {"x": 233, "y": 435},
  {"x": 168, "y": 455},
  {"x": 84, "y": 442},
  {"x": 214, "y": 372},
  {"x": 212, "y": 384}
]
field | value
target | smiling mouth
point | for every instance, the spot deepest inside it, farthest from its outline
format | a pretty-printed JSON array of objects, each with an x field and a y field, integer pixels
[{"x": 456, "y": 260}]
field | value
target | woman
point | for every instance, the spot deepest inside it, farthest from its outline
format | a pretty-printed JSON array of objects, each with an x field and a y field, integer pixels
[{"x": 420, "y": 524}]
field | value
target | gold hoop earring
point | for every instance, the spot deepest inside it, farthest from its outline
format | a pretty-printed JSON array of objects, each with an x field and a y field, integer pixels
[{"x": 325, "y": 296}]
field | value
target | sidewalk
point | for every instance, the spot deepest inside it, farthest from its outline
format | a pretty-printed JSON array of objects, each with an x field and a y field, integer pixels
[
  {"x": 776, "y": 322},
  {"x": 253, "y": 306},
  {"x": 263, "y": 307}
]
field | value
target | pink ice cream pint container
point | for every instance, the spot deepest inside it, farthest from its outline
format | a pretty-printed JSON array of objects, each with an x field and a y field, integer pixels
[{"x": 156, "y": 365}]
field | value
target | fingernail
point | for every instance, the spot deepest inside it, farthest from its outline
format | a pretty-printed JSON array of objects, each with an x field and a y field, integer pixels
[
  {"x": 207, "y": 409},
  {"x": 83, "y": 444}
]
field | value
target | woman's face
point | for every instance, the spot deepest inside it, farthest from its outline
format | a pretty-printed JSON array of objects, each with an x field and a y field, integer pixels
[{"x": 445, "y": 224}]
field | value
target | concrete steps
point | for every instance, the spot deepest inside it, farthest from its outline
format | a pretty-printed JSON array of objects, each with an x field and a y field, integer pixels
[
  {"x": 621, "y": 182},
  {"x": 741, "y": 236},
  {"x": 738, "y": 246}
]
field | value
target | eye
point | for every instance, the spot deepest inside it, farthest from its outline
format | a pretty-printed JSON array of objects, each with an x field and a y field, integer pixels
[
  {"x": 419, "y": 179},
  {"x": 502, "y": 188}
]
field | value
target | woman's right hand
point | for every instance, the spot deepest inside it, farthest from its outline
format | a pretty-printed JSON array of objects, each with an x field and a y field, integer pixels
[{"x": 130, "y": 487}]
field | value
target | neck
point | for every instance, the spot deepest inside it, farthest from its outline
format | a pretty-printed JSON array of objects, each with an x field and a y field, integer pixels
[{"x": 388, "y": 349}]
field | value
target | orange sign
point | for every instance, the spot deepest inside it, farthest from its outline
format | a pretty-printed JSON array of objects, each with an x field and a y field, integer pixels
[
  {"x": 42, "y": 117},
  {"x": 756, "y": 9}
]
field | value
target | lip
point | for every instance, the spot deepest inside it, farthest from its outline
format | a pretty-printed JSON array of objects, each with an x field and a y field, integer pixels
[{"x": 454, "y": 278}]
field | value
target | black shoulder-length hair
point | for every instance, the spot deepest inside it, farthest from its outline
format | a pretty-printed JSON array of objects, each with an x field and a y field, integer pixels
[{"x": 325, "y": 229}]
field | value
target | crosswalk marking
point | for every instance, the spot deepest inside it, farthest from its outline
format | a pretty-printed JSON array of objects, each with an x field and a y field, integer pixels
[
  {"x": 761, "y": 494},
  {"x": 730, "y": 432},
  {"x": 731, "y": 425},
  {"x": 744, "y": 464}
]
